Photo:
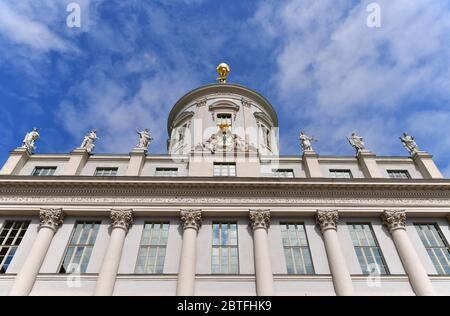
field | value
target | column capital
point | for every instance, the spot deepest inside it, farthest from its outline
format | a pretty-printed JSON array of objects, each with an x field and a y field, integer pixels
[
  {"x": 51, "y": 218},
  {"x": 121, "y": 219},
  {"x": 327, "y": 219},
  {"x": 394, "y": 219},
  {"x": 191, "y": 218},
  {"x": 259, "y": 219}
]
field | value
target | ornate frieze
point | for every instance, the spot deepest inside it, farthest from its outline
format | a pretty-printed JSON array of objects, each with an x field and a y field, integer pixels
[
  {"x": 327, "y": 219},
  {"x": 51, "y": 218},
  {"x": 394, "y": 219},
  {"x": 259, "y": 219},
  {"x": 191, "y": 219},
  {"x": 121, "y": 219}
]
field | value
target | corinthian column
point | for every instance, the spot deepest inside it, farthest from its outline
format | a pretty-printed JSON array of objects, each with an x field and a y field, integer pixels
[
  {"x": 50, "y": 220},
  {"x": 191, "y": 220},
  {"x": 342, "y": 281},
  {"x": 418, "y": 277},
  {"x": 121, "y": 221},
  {"x": 260, "y": 222}
]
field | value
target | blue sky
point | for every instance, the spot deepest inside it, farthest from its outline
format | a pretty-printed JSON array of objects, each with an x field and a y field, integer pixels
[{"x": 317, "y": 62}]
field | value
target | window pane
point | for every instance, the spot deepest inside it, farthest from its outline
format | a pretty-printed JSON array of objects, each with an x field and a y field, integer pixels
[
  {"x": 367, "y": 250},
  {"x": 296, "y": 249},
  {"x": 224, "y": 254},
  {"x": 10, "y": 237},
  {"x": 152, "y": 251},
  {"x": 436, "y": 246},
  {"x": 80, "y": 247}
]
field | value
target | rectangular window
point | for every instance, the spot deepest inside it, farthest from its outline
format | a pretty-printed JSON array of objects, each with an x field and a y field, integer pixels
[
  {"x": 296, "y": 249},
  {"x": 341, "y": 173},
  {"x": 152, "y": 250},
  {"x": 283, "y": 173},
  {"x": 224, "y": 169},
  {"x": 80, "y": 247},
  {"x": 224, "y": 119},
  {"x": 266, "y": 135},
  {"x": 367, "y": 250},
  {"x": 43, "y": 171},
  {"x": 166, "y": 172},
  {"x": 106, "y": 172},
  {"x": 398, "y": 174},
  {"x": 11, "y": 235},
  {"x": 225, "y": 249},
  {"x": 436, "y": 246}
]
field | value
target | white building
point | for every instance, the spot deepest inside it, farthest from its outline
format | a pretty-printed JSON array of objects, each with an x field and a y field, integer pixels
[{"x": 223, "y": 214}]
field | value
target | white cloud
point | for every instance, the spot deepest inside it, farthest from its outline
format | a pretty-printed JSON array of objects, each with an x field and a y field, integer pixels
[
  {"x": 336, "y": 75},
  {"x": 23, "y": 29}
]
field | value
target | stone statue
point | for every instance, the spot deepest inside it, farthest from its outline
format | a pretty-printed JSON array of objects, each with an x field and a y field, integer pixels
[
  {"x": 357, "y": 142},
  {"x": 144, "y": 139},
  {"x": 305, "y": 141},
  {"x": 212, "y": 143},
  {"x": 88, "y": 141},
  {"x": 30, "y": 139},
  {"x": 409, "y": 143}
]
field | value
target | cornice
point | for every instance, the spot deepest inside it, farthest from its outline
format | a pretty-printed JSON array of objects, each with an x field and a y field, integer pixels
[{"x": 243, "y": 191}]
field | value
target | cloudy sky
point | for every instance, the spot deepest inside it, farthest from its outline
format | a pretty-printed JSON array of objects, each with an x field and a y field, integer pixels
[{"x": 317, "y": 61}]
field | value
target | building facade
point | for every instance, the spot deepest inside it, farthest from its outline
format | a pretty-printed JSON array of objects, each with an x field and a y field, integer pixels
[{"x": 222, "y": 213}]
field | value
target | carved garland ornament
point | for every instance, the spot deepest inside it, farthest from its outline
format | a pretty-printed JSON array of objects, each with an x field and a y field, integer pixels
[
  {"x": 51, "y": 218},
  {"x": 259, "y": 219},
  {"x": 122, "y": 219},
  {"x": 327, "y": 219},
  {"x": 191, "y": 219},
  {"x": 394, "y": 219}
]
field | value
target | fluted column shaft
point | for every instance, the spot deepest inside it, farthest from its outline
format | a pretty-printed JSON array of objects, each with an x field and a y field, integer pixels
[
  {"x": 191, "y": 221},
  {"x": 260, "y": 223},
  {"x": 418, "y": 277},
  {"x": 342, "y": 280},
  {"x": 121, "y": 222},
  {"x": 50, "y": 220}
]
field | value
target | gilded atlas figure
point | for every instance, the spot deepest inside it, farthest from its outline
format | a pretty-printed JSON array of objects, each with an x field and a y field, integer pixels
[
  {"x": 88, "y": 141},
  {"x": 409, "y": 143},
  {"x": 29, "y": 141},
  {"x": 144, "y": 139},
  {"x": 223, "y": 70},
  {"x": 357, "y": 142}
]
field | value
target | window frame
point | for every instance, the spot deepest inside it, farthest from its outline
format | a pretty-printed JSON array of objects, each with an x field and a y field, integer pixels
[
  {"x": 36, "y": 168},
  {"x": 149, "y": 245},
  {"x": 76, "y": 245},
  {"x": 398, "y": 171},
  {"x": 443, "y": 239},
  {"x": 12, "y": 245},
  {"x": 281, "y": 171},
  {"x": 281, "y": 224},
  {"x": 228, "y": 169},
  {"x": 341, "y": 171},
  {"x": 228, "y": 246},
  {"x": 158, "y": 169},
  {"x": 377, "y": 245},
  {"x": 97, "y": 169}
]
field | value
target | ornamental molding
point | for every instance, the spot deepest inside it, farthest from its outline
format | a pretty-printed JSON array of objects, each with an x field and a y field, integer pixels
[
  {"x": 121, "y": 219},
  {"x": 394, "y": 219},
  {"x": 259, "y": 219},
  {"x": 191, "y": 219},
  {"x": 119, "y": 192},
  {"x": 51, "y": 218},
  {"x": 327, "y": 219}
]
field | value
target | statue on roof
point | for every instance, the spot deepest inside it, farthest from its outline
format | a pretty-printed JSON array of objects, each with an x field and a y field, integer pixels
[
  {"x": 409, "y": 143},
  {"x": 144, "y": 139},
  {"x": 305, "y": 141},
  {"x": 30, "y": 140},
  {"x": 357, "y": 142},
  {"x": 88, "y": 141}
]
